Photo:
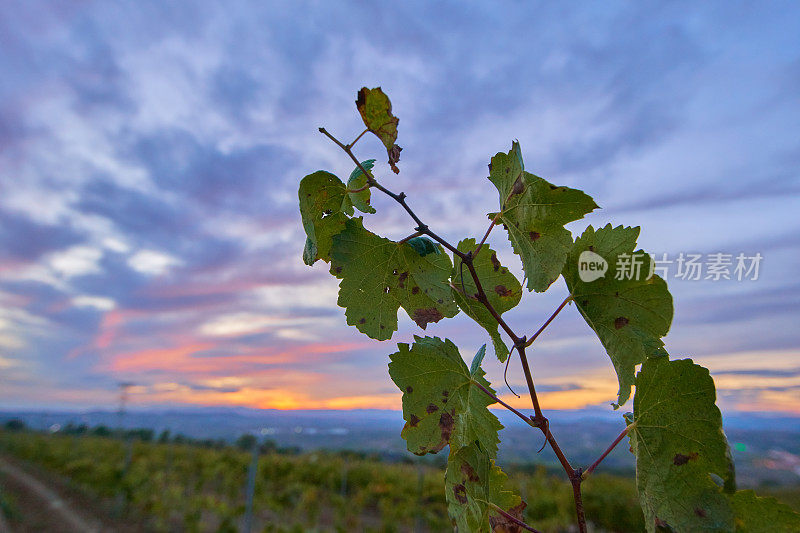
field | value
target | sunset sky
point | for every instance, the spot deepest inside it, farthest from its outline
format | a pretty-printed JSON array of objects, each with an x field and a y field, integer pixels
[{"x": 150, "y": 154}]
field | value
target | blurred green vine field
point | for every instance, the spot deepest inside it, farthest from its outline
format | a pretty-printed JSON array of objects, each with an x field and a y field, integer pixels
[{"x": 187, "y": 487}]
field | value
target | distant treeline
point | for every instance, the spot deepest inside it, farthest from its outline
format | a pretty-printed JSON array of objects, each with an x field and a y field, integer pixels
[{"x": 244, "y": 442}]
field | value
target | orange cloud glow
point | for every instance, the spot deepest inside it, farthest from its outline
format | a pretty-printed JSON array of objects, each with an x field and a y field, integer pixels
[
  {"x": 782, "y": 401},
  {"x": 179, "y": 358},
  {"x": 251, "y": 396},
  {"x": 160, "y": 358}
]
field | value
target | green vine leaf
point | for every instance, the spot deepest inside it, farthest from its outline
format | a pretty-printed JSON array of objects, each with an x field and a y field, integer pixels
[
  {"x": 502, "y": 288},
  {"x": 359, "y": 200},
  {"x": 423, "y": 246},
  {"x": 376, "y": 110},
  {"x": 309, "y": 252},
  {"x": 763, "y": 515},
  {"x": 680, "y": 448},
  {"x": 379, "y": 276},
  {"x": 475, "y": 487},
  {"x": 534, "y": 213},
  {"x": 440, "y": 403},
  {"x": 322, "y": 196},
  {"x": 629, "y": 314},
  {"x": 477, "y": 361}
]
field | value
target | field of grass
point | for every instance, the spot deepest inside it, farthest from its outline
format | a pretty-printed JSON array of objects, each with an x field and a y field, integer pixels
[{"x": 172, "y": 486}]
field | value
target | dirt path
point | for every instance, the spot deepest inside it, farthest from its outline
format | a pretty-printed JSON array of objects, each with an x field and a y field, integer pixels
[{"x": 40, "y": 508}]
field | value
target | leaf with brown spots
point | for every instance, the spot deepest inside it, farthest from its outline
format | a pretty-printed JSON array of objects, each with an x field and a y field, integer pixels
[
  {"x": 534, "y": 213},
  {"x": 423, "y": 317},
  {"x": 660, "y": 526},
  {"x": 445, "y": 407},
  {"x": 379, "y": 276},
  {"x": 679, "y": 446},
  {"x": 681, "y": 459},
  {"x": 630, "y": 314},
  {"x": 474, "y": 485},
  {"x": 376, "y": 110},
  {"x": 502, "y": 289},
  {"x": 501, "y": 524}
]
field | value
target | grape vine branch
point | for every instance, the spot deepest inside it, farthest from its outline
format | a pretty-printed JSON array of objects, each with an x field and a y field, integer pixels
[
  {"x": 685, "y": 476},
  {"x": 520, "y": 343}
]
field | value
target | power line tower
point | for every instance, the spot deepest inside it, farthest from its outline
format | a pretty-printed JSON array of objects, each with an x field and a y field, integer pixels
[{"x": 124, "y": 389}]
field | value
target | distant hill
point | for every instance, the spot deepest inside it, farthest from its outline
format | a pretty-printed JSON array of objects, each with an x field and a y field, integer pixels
[{"x": 766, "y": 447}]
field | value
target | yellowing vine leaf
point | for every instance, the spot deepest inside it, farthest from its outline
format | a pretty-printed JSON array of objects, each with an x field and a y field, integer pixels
[
  {"x": 503, "y": 291},
  {"x": 322, "y": 196},
  {"x": 534, "y": 212},
  {"x": 441, "y": 405},
  {"x": 379, "y": 276},
  {"x": 376, "y": 110},
  {"x": 679, "y": 445},
  {"x": 629, "y": 314},
  {"x": 475, "y": 487}
]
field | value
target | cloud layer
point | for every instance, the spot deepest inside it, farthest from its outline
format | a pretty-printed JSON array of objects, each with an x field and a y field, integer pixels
[{"x": 150, "y": 155}]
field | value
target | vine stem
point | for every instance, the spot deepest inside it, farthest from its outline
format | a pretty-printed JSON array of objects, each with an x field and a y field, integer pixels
[
  {"x": 364, "y": 188},
  {"x": 482, "y": 298},
  {"x": 567, "y": 300},
  {"x": 357, "y": 138},
  {"x": 542, "y": 423},
  {"x": 613, "y": 445},
  {"x": 486, "y": 235},
  {"x": 576, "y": 492},
  {"x": 539, "y": 420},
  {"x": 406, "y": 239},
  {"x": 514, "y": 519},
  {"x": 526, "y": 419}
]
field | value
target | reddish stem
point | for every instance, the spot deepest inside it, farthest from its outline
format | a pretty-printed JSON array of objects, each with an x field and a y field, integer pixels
[
  {"x": 514, "y": 519},
  {"x": 567, "y": 300},
  {"x": 608, "y": 450},
  {"x": 364, "y": 188},
  {"x": 406, "y": 239},
  {"x": 527, "y": 419},
  {"x": 486, "y": 235},
  {"x": 482, "y": 298},
  {"x": 579, "y": 512},
  {"x": 357, "y": 138}
]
